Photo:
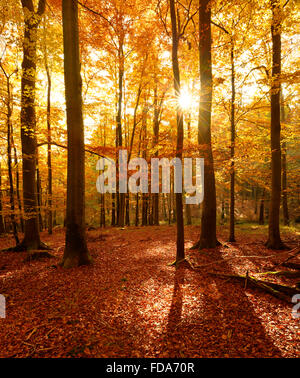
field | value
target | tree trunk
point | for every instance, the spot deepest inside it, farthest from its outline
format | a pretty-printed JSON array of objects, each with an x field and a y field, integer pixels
[
  {"x": 127, "y": 212},
  {"x": 187, "y": 206},
  {"x": 120, "y": 196},
  {"x": 261, "y": 219},
  {"x": 39, "y": 193},
  {"x": 137, "y": 210},
  {"x": 76, "y": 252},
  {"x": 155, "y": 196},
  {"x": 49, "y": 154},
  {"x": 208, "y": 238},
  {"x": 274, "y": 240},
  {"x": 145, "y": 200},
  {"x": 113, "y": 209},
  {"x": 16, "y": 164},
  {"x": 285, "y": 209},
  {"x": 179, "y": 121},
  {"x": 223, "y": 211},
  {"x": 232, "y": 169},
  {"x": 9, "y": 162},
  {"x": 2, "y": 228},
  {"x": 32, "y": 19}
]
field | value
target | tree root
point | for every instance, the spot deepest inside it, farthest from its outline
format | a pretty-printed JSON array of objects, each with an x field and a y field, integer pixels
[
  {"x": 279, "y": 246},
  {"x": 38, "y": 255},
  {"x": 201, "y": 245},
  {"x": 22, "y": 247},
  {"x": 178, "y": 262}
]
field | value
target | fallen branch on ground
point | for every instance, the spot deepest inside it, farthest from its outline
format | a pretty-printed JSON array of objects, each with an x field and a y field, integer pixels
[
  {"x": 282, "y": 292},
  {"x": 290, "y": 257},
  {"x": 282, "y": 273},
  {"x": 291, "y": 266},
  {"x": 242, "y": 257}
]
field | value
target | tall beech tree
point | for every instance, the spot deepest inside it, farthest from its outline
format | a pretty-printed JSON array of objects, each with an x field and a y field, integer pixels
[
  {"x": 274, "y": 239},
  {"x": 9, "y": 128},
  {"x": 2, "y": 228},
  {"x": 76, "y": 252},
  {"x": 285, "y": 208},
  {"x": 49, "y": 151},
  {"x": 208, "y": 237},
  {"x": 232, "y": 134},
  {"x": 32, "y": 20},
  {"x": 179, "y": 122}
]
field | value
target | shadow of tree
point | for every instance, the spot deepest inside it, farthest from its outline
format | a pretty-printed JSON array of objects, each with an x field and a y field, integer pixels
[{"x": 217, "y": 325}]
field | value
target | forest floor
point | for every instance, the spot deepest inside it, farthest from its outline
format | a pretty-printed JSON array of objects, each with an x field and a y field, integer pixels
[{"x": 131, "y": 303}]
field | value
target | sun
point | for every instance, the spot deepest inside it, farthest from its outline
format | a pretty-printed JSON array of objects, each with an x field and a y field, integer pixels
[{"x": 185, "y": 99}]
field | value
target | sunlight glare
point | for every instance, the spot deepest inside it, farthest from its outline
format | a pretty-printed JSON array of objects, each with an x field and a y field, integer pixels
[{"x": 185, "y": 99}]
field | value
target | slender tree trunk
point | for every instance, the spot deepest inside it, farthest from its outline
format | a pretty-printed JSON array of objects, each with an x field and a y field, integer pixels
[
  {"x": 145, "y": 199},
  {"x": 179, "y": 119},
  {"x": 223, "y": 211},
  {"x": 76, "y": 252},
  {"x": 127, "y": 212},
  {"x": 164, "y": 207},
  {"x": 255, "y": 199},
  {"x": 150, "y": 210},
  {"x": 208, "y": 238},
  {"x": 155, "y": 196},
  {"x": 2, "y": 228},
  {"x": 16, "y": 164},
  {"x": 169, "y": 208},
  {"x": 137, "y": 210},
  {"x": 39, "y": 193},
  {"x": 9, "y": 163},
  {"x": 262, "y": 209},
  {"x": 285, "y": 209},
  {"x": 49, "y": 152},
  {"x": 144, "y": 209},
  {"x": 274, "y": 240},
  {"x": 113, "y": 209},
  {"x": 187, "y": 206},
  {"x": 102, "y": 210},
  {"x": 120, "y": 196},
  {"x": 232, "y": 168}
]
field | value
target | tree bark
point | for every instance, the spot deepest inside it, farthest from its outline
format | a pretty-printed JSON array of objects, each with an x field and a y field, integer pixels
[
  {"x": 261, "y": 220},
  {"x": 274, "y": 239},
  {"x": 187, "y": 206},
  {"x": 16, "y": 164},
  {"x": 208, "y": 238},
  {"x": 9, "y": 157},
  {"x": 232, "y": 168},
  {"x": 39, "y": 193},
  {"x": 28, "y": 125},
  {"x": 120, "y": 196},
  {"x": 179, "y": 122},
  {"x": 286, "y": 220},
  {"x": 155, "y": 196},
  {"x": 49, "y": 152},
  {"x": 2, "y": 228},
  {"x": 76, "y": 252}
]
